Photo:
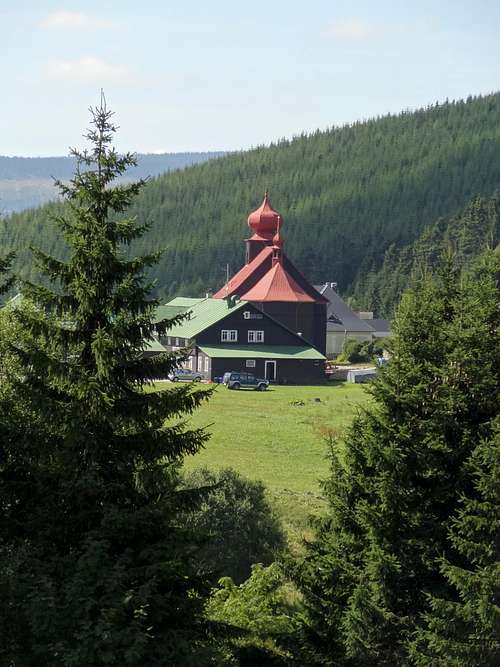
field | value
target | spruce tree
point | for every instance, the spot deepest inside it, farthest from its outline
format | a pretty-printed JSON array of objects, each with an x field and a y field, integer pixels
[
  {"x": 463, "y": 627},
  {"x": 102, "y": 570},
  {"x": 5, "y": 264},
  {"x": 397, "y": 482}
]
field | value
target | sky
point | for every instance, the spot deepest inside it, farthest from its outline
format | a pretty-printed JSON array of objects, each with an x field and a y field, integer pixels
[{"x": 201, "y": 75}]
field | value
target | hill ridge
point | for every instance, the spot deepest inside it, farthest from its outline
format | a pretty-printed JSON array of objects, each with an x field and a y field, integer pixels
[{"x": 346, "y": 194}]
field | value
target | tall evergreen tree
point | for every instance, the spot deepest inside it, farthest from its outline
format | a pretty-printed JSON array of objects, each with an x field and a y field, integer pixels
[
  {"x": 397, "y": 482},
  {"x": 464, "y": 629},
  {"x": 5, "y": 264},
  {"x": 102, "y": 571}
]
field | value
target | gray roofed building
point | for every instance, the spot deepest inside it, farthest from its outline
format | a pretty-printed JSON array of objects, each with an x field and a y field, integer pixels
[
  {"x": 381, "y": 328},
  {"x": 342, "y": 322}
]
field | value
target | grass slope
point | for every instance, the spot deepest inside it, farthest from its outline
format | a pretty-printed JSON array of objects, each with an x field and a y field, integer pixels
[{"x": 269, "y": 437}]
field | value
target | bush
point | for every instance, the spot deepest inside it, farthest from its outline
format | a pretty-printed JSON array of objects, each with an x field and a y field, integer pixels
[
  {"x": 237, "y": 520},
  {"x": 357, "y": 352},
  {"x": 265, "y": 608}
]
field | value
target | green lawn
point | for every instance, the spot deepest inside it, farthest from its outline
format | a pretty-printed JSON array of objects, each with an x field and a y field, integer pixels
[
  {"x": 271, "y": 436},
  {"x": 265, "y": 436}
]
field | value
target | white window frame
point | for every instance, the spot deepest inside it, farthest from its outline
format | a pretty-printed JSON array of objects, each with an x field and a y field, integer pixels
[
  {"x": 250, "y": 363},
  {"x": 177, "y": 342},
  {"x": 207, "y": 364},
  {"x": 256, "y": 336},
  {"x": 229, "y": 335}
]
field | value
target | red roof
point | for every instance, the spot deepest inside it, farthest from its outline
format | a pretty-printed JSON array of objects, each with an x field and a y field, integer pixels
[
  {"x": 264, "y": 221},
  {"x": 237, "y": 282},
  {"x": 265, "y": 277},
  {"x": 277, "y": 285}
]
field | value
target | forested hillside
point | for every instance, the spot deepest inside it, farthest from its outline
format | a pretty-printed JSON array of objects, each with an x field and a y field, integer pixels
[
  {"x": 348, "y": 196},
  {"x": 466, "y": 234},
  {"x": 26, "y": 182}
]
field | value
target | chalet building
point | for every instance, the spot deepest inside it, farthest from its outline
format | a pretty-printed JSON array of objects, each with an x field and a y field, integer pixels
[
  {"x": 233, "y": 335},
  {"x": 267, "y": 318}
]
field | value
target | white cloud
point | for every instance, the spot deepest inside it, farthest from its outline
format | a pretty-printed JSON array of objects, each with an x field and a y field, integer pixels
[
  {"x": 76, "y": 21},
  {"x": 90, "y": 69},
  {"x": 350, "y": 28}
]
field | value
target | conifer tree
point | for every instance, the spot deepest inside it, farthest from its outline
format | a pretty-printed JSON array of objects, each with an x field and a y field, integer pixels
[
  {"x": 102, "y": 571},
  {"x": 5, "y": 264},
  {"x": 397, "y": 482},
  {"x": 464, "y": 629}
]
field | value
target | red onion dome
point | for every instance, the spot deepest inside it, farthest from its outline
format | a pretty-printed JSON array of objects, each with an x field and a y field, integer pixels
[{"x": 264, "y": 221}]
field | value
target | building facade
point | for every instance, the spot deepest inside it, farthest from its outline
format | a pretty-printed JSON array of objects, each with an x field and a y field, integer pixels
[
  {"x": 267, "y": 319},
  {"x": 273, "y": 284},
  {"x": 220, "y": 335}
]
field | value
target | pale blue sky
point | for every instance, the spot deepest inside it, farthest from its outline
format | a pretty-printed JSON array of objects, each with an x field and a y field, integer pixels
[{"x": 219, "y": 74}]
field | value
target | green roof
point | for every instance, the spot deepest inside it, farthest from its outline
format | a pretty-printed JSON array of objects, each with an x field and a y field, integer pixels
[
  {"x": 261, "y": 351},
  {"x": 202, "y": 315},
  {"x": 167, "y": 312},
  {"x": 154, "y": 346},
  {"x": 184, "y": 301},
  {"x": 174, "y": 307}
]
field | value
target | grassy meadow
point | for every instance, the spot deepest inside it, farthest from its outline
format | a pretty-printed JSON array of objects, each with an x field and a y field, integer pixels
[{"x": 278, "y": 436}]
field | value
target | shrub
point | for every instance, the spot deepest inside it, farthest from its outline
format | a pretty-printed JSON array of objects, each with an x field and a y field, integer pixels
[
  {"x": 237, "y": 520},
  {"x": 265, "y": 608},
  {"x": 359, "y": 351}
]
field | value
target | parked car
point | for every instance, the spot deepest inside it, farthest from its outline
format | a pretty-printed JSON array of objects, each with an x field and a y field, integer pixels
[
  {"x": 185, "y": 374},
  {"x": 241, "y": 380}
]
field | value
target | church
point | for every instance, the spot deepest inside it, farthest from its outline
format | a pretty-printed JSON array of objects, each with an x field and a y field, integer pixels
[{"x": 267, "y": 319}]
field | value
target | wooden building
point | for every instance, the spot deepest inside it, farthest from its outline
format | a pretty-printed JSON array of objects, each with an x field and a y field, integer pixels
[
  {"x": 267, "y": 319},
  {"x": 230, "y": 334},
  {"x": 271, "y": 281}
]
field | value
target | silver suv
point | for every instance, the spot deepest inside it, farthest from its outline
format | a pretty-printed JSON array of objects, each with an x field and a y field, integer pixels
[
  {"x": 242, "y": 380},
  {"x": 185, "y": 374}
]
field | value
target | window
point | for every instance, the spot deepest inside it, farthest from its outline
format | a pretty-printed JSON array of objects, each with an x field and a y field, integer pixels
[
  {"x": 177, "y": 342},
  {"x": 250, "y": 363},
  {"x": 207, "y": 364},
  {"x": 255, "y": 336},
  {"x": 229, "y": 335}
]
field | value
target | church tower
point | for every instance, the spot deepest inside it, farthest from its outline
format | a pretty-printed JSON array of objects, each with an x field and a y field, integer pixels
[{"x": 273, "y": 284}]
